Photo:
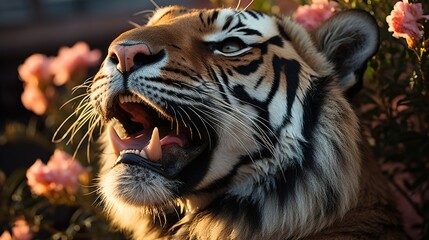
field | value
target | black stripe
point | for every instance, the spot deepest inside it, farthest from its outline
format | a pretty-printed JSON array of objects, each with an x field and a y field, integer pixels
[
  {"x": 202, "y": 18},
  {"x": 175, "y": 46},
  {"x": 251, "y": 67},
  {"x": 313, "y": 102},
  {"x": 213, "y": 76},
  {"x": 259, "y": 82},
  {"x": 253, "y": 14},
  {"x": 332, "y": 199},
  {"x": 213, "y": 17},
  {"x": 231, "y": 208},
  {"x": 227, "y": 23},
  {"x": 248, "y": 31},
  {"x": 236, "y": 26},
  {"x": 292, "y": 69},
  {"x": 282, "y": 32},
  {"x": 244, "y": 160},
  {"x": 276, "y": 40},
  {"x": 241, "y": 15},
  {"x": 223, "y": 76},
  {"x": 285, "y": 182}
]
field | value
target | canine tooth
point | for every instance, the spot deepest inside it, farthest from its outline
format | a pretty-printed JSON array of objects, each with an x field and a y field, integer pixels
[
  {"x": 153, "y": 149},
  {"x": 121, "y": 98},
  {"x": 114, "y": 138}
]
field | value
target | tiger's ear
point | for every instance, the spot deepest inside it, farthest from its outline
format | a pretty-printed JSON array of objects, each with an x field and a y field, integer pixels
[{"x": 348, "y": 40}]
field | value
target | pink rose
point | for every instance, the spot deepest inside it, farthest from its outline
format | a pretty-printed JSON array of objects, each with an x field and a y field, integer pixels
[
  {"x": 403, "y": 21},
  {"x": 72, "y": 60},
  {"x": 311, "y": 16},
  {"x": 60, "y": 175}
]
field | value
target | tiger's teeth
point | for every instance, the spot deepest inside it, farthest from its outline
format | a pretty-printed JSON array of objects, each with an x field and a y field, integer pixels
[
  {"x": 153, "y": 149},
  {"x": 135, "y": 99},
  {"x": 114, "y": 138},
  {"x": 143, "y": 154},
  {"x": 129, "y": 99}
]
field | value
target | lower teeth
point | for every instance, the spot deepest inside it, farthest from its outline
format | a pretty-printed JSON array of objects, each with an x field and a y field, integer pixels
[{"x": 141, "y": 153}]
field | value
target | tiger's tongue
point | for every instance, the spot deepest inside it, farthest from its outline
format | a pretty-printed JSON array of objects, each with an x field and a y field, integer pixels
[{"x": 147, "y": 143}]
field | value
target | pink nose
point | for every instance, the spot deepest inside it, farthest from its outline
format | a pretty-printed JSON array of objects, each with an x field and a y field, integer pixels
[{"x": 127, "y": 56}]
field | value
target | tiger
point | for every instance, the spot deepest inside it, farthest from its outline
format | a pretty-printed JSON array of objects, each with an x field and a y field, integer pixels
[{"x": 235, "y": 124}]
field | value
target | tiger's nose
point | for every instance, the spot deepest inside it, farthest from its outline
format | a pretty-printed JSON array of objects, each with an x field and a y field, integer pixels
[{"x": 128, "y": 56}]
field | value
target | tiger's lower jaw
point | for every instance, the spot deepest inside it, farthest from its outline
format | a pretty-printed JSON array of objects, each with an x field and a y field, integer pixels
[
  {"x": 140, "y": 182},
  {"x": 136, "y": 187}
]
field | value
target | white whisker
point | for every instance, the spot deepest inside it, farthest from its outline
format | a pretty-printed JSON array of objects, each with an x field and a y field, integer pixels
[
  {"x": 155, "y": 4},
  {"x": 134, "y": 24},
  {"x": 147, "y": 11}
]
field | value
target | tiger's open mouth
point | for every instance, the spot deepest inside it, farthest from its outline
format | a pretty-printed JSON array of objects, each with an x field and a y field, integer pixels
[{"x": 153, "y": 139}]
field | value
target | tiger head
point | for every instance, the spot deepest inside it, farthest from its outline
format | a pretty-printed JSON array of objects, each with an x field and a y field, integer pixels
[{"x": 237, "y": 117}]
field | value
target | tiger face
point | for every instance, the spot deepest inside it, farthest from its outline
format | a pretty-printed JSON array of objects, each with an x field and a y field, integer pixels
[{"x": 225, "y": 124}]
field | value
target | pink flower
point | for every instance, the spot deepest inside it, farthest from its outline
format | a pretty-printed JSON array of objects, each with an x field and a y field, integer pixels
[
  {"x": 60, "y": 175},
  {"x": 37, "y": 78},
  {"x": 40, "y": 73},
  {"x": 311, "y": 16},
  {"x": 33, "y": 99},
  {"x": 73, "y": 60},
  {"x": 403, "y": 21},
  {"x": 20, "y": 231},
  {"x": 36, "y": 69}
]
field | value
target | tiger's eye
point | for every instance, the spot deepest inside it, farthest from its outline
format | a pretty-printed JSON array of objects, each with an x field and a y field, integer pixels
[{"x": 231, "y": 46}]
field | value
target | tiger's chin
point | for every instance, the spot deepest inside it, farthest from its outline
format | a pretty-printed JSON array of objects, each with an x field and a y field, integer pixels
[{"x": 136, "y": 186}]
